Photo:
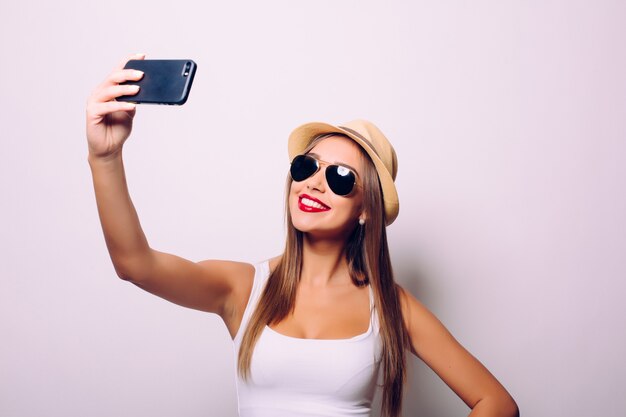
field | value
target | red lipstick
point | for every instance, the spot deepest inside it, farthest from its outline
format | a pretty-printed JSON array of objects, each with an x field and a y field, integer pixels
[{"x": 311, "y": 205}]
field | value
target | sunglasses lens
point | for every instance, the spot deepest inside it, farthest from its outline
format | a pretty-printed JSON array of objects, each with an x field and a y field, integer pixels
[
  {"x": 340, "y": 179},
  {"x": 302, "y": 167}
]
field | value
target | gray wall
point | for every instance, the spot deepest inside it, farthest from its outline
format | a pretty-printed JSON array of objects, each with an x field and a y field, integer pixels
[{"x": 509, "y": 122}]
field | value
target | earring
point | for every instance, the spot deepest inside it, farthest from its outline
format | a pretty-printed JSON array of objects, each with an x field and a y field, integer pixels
[{"x": 361, "y": 222}]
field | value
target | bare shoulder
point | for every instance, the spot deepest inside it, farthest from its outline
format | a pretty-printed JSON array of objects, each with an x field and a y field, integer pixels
[
  {"x": 412, "y": 309},
  {"x": 241, "y": 278},
  {"x": 422, "y": 325},
  {"x": 232, "y": 270}
]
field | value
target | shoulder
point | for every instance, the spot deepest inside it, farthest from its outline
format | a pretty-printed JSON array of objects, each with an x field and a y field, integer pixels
[
  {"x": 420, "y": 322},
  {"x": 413, "y": 310},
  {"x": 241, "y": 277},
  {"x": 232, "y": 270},
  {"x": 409, "y": 304}
]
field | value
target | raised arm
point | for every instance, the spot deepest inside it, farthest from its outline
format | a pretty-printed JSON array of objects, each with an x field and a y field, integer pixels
[
  {"x": 461, "y": 371},
  {"x": 220, "y": 287}
]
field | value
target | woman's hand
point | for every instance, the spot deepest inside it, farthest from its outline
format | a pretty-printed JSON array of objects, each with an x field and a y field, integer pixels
[{"x": 109, "y": 122}]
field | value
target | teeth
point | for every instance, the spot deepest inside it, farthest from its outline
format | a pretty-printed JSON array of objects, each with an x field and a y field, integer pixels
[{"x": 311, "y": 203}]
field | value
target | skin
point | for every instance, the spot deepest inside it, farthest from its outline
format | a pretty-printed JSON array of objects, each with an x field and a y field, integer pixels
[{"x": 328, "y": 305}]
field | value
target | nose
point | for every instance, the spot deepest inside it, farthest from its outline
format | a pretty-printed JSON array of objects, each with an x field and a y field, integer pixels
[{"x": 317, "y": 181}]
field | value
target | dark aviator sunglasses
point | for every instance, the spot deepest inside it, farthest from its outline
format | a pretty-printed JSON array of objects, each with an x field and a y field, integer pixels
[{"x": 340, "y": 179}]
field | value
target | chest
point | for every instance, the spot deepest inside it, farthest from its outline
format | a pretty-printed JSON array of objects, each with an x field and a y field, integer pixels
[{"x": 338, "y": 314}]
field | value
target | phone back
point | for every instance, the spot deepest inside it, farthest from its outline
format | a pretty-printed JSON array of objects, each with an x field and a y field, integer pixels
[{"x": 165, "y": 81}]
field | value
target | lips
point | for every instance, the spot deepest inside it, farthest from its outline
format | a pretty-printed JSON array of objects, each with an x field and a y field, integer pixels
[{"x": 311, "y": 205}]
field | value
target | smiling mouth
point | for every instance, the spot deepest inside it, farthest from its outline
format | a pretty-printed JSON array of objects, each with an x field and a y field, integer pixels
[{"x": 311, "y": 205}]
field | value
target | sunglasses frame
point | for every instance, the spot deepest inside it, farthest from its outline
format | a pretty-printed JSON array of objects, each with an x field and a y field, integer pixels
[{"x": 321, "y": 163}]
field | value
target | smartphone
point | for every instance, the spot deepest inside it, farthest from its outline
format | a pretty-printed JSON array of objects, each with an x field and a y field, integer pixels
[{"x": 165, "y": 81}]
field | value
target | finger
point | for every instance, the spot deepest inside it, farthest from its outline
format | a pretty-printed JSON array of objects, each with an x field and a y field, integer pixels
[
  {"x": 119, "y": 76},
  {"x": 99, "y": 110},
  {"x": 123, "y": 63},
  {"x": 113, "y": 91}
]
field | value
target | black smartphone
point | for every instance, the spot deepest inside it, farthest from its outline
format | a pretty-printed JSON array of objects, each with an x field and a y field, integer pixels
[{"x": 165, "y": 81}]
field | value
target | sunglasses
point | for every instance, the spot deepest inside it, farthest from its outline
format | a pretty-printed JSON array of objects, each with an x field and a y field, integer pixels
[{"x": 340, "y": 179}]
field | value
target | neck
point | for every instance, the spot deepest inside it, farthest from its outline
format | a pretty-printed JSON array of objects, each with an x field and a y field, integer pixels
[{"x": 323, "y": 262}]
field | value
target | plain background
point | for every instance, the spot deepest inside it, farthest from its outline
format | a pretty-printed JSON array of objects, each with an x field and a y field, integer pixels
[{"x": 509, "y": 122}]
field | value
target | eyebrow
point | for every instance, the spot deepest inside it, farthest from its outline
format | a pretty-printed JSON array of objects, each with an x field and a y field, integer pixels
[{"x": 335, "y": 163}]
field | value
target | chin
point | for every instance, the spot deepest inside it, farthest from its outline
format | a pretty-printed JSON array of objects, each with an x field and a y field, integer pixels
[
  {"x": 320, "y": 228},
  {"x": 304, "y": 224}
]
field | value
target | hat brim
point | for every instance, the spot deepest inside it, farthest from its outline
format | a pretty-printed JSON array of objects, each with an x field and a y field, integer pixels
[{"x": 302, "y": 136}]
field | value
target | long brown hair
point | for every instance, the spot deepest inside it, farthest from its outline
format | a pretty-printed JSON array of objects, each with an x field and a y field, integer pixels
[{"x": 367, "y": 254}]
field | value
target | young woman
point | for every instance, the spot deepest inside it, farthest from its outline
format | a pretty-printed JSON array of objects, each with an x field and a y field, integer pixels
[{"x": 313, "y": 326}]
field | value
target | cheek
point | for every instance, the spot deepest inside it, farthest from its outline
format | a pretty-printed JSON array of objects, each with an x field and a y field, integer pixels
[
  {"x": 354, "y": 205},
  {"x": 294, "y": 191},
  {"x": 346, "y": 206}
]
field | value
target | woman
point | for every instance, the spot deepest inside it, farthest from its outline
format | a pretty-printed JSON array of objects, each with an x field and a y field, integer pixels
[{"x": 313, "y": 326}]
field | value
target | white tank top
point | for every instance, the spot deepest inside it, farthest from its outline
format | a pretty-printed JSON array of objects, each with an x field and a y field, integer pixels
[{"x": 297, "y": 377}]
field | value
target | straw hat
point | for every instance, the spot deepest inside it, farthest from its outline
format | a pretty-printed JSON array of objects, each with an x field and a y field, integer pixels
[{"x": 372, "y": 140}]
